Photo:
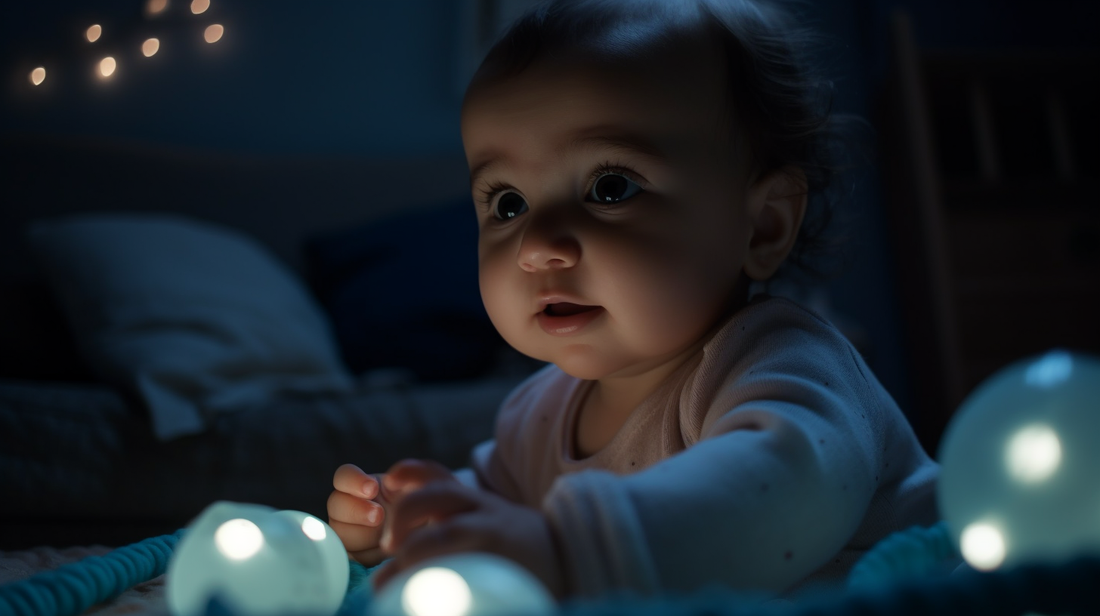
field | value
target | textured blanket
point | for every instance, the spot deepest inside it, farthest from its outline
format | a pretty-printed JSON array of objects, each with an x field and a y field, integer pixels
[{"x": 897, "y": 579}]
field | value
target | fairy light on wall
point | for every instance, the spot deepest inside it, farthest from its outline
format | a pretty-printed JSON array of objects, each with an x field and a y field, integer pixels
[
  {"x": 106, "y": 66},
  {"x": 213, "y": 33},
  {"x": 150, "y": 47},
  {"x": 155, "y": 7}
]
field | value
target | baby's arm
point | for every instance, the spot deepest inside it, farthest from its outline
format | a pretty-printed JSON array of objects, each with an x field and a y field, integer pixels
[{"x": 775, "y": 488}]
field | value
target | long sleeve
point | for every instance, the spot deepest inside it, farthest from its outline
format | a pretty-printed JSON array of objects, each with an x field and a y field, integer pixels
[{"x": 755, "y": 508}]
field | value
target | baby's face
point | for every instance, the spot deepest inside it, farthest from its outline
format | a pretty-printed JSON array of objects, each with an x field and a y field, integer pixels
[{"x": 611, "y": 207}]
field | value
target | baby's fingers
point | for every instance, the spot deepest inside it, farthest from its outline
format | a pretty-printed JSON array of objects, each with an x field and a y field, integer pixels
[
  {"x": 350, "y": 509},
  {"x": 435, "y": 502},
  {"x": 351, "y": 479},
  {"x": 408, "y": 475}
]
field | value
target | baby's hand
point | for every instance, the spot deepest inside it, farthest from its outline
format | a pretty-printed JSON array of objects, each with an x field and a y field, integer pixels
[
  {"x": 356, "y": 513},
  {"x": 357, "y": 507},
  {"x": 445, "y": 517}
]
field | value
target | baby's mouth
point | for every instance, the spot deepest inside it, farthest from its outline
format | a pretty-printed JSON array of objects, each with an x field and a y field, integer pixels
[{"x": 565, "y": 309}]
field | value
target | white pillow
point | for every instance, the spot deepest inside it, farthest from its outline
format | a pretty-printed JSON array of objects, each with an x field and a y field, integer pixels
[{"x": 191, "y": 317}]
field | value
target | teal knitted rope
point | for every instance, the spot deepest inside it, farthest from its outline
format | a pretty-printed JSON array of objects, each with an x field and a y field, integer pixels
[
  {"x": 73, "y": 588},
  {"x": 915, "y": 552}
]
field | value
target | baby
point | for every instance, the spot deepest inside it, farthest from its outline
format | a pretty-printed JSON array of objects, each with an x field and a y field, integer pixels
[{"x": 636, "y": 166}]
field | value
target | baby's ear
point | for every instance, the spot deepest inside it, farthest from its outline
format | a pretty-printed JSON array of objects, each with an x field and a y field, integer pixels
[{"x": 776, "y": 206}]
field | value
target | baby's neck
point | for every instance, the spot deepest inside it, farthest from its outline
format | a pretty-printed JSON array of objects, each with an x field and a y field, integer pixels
[{"x": 610, "y": 401}]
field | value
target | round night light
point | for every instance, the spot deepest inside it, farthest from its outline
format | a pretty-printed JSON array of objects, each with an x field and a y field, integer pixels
[
  {"x": 257, "y": 561},
  {"x": 38, "y": 75},
  {"x": 199, "y": 6},
  {"x": 93, "y": 33},
  {"x": 469, "y": 584},
  {"x": 154, "y": 7},
  {"x": 1019, "y": 458}
]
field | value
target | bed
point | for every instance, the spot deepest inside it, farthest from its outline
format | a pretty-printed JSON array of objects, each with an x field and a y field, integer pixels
[{"x": 86, "y": 458}]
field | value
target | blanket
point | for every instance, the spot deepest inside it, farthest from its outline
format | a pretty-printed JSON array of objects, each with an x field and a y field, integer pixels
[{"x": 901, "y": 576}]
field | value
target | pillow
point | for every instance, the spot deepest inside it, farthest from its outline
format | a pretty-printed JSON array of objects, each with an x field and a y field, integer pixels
[
  {"x": 192, "y": 318},
  {"x": 402, "y": 293}
]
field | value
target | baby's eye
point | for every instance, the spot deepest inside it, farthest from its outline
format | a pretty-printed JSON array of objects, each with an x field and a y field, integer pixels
[
  {"x": 612, "y": 188},
  {"x": 508, "y": 206}
]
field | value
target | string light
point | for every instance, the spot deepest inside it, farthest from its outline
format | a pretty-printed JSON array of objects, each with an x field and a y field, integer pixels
[
  {"x": 155, "y": 7},
  {"x": 150, "y": 47},
  {"x": 213, "y": 33},
  {"x": 107, "y": 66}
]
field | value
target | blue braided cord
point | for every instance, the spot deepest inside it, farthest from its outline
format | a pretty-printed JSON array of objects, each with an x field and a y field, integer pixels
[
  {"x": 73, "y": 588},
  {"x": 915, "y": 552}
]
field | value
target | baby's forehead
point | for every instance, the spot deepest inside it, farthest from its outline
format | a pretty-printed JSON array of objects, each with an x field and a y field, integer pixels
[{"x": 638, "y": 82}]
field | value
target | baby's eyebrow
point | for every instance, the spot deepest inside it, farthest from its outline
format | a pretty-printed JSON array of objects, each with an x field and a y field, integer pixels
[
  {"x": 628, "y": 142},
  {"x": 631, "y": 142}
]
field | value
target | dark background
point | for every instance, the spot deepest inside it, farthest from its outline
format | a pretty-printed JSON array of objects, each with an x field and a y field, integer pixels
[{"x": 377, "y": 79}]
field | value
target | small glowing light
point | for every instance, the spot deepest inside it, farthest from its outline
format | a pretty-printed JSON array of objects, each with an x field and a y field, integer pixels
[
  {"x": 154, "y": 7},
  {"x": 38, "y": 75},
  {"x": 93, "y": 33},
  {"x": 1033, "y": 453},
  {"x": 213, "y": 33},
  {"x": 1050, "y": 370},
  {"x": 436, "y": 591},
  {"x": 983, "y": 546},
  {"x": 199, "y": 6},
  {"x": 107, "y": 66},
  {"x": 238, "y": 539},
  {"x": 150, "y": 47},
  {"x": 313, "y": 528}
]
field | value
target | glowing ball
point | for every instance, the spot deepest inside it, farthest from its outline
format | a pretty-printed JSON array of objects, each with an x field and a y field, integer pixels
[
  {"x": 470, "y": 584},
  {"x": 257, "y": 561},
  {"x": 1020, "y": 461}
]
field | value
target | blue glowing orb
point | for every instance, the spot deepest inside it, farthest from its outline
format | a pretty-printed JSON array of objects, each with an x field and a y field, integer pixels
[
  {"x": 467, "y": 584},
  {"x": 257, "y": 561},
  {"x": 1021, "y": 460}
]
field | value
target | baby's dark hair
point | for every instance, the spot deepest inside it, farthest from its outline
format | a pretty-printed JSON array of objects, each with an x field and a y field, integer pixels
[{"x": 783, "y": 105}]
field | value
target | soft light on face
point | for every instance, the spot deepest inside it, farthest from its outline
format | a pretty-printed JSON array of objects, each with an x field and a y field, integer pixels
[
  {"x": 436, "y": 591},
  {"x": 663, "y": 266},
  {"x": 1033, "y": 453},
  {"x": 38, "y": 75},
  {"x": 213, "y": 33},
  {"x": 150, "y": 47},
  {"x": 107, "y": 67},
  {"x": 238, "y": 539},
  {"x": 313, "y": 528},
  {"x": 983, "y": 546},
  {"x": 199, "y": 6},
  {"x": 93, "y": 33}
]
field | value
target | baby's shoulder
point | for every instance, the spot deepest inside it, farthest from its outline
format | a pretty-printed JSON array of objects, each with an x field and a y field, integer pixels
[{"x": 773, "y": 327}]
